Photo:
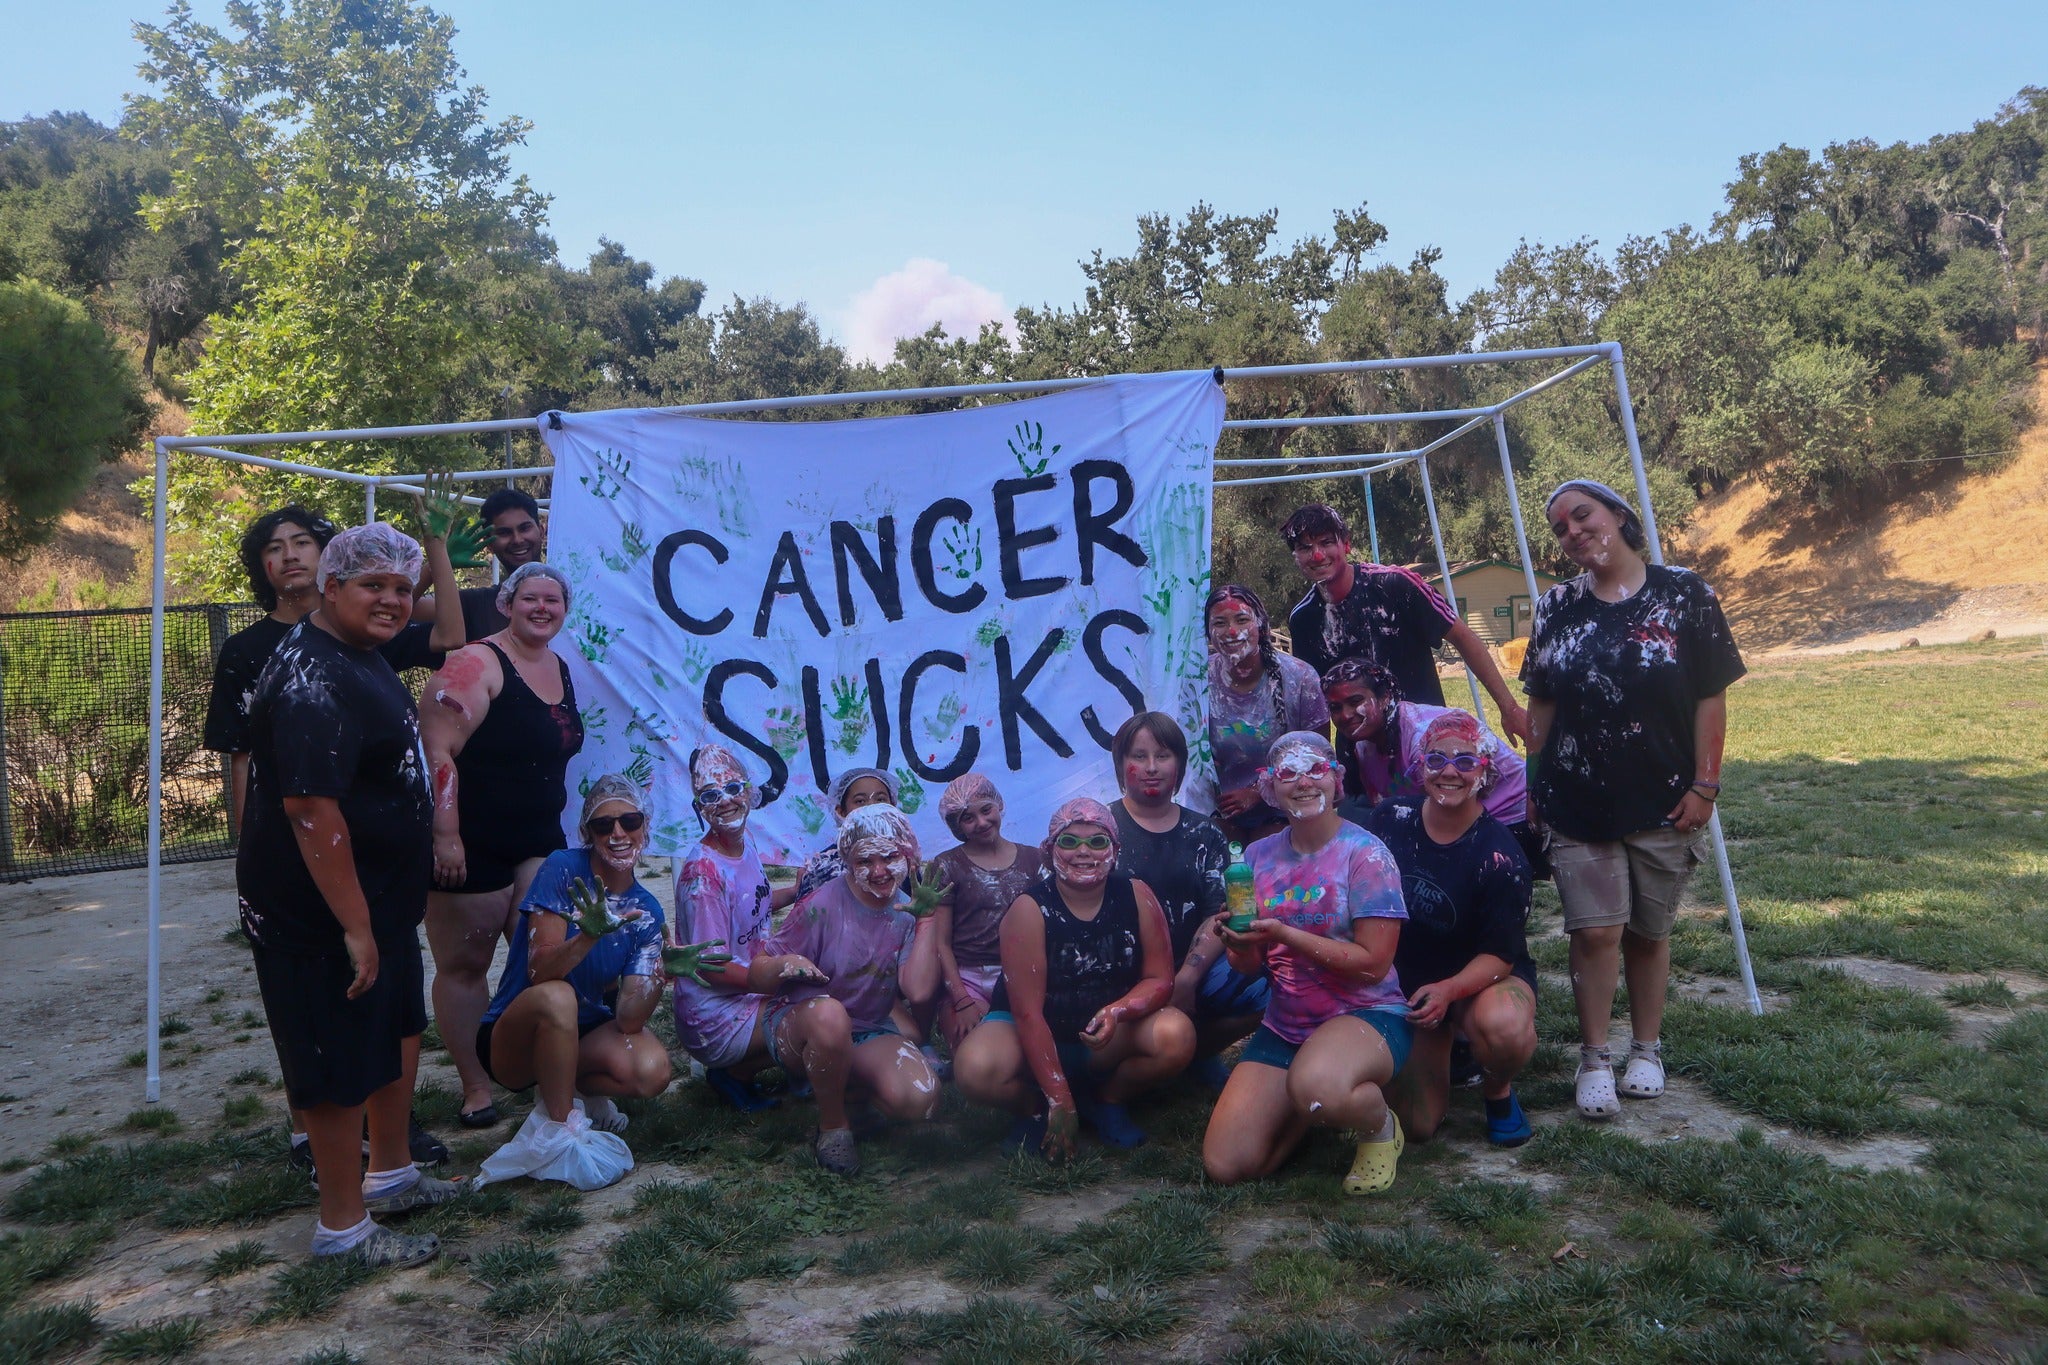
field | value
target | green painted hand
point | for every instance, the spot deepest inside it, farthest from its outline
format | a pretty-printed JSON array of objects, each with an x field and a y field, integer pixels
[
  {"x": 438, "y": 508},
  {"x": 594, "y": 918},
  {"x": 466, "y": 542},
  {"x": 929, "y": 890},
  {"x": 695, "y": 959}
]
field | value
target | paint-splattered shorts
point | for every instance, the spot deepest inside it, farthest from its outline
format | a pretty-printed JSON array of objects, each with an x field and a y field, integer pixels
[
  {"x": 1636, "y": 881},
  {"x": 778, "y": 1015}
]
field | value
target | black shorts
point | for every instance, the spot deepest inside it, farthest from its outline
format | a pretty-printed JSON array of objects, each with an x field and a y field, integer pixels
[
  {"x": 483, "y": 1047},
  {"x": 492, "y": 863},
  {"x": 331, "y": 1049}
]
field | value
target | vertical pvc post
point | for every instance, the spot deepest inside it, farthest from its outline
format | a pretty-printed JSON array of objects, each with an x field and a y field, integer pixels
[
  {"x": 1720, "y": 840},
  {"x": 1372, "y": 520},
  {"x": 152, "y": 1085},
  {"x": 369, "y": 503},
  {"x": 1444, "y": 566},
  {"x": 1507, "y": 469}
]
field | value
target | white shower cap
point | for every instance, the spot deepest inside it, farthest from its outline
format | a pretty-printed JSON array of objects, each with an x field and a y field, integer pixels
[{"x": 378, "y": 547}]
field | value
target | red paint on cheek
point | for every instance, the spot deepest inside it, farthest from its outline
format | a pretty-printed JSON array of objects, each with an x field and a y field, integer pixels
[{"x": 1131, "y": 773}]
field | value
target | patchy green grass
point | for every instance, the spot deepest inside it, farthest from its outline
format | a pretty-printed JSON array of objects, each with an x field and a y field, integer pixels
[
  {"x": 1917, "y": 843},
  {"x": 168, "y": 1339}
]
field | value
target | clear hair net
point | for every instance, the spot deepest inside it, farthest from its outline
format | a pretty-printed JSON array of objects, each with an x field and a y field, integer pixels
[
  {"x": 510, "y": 586},
  {"x": 378, "y": 547}
]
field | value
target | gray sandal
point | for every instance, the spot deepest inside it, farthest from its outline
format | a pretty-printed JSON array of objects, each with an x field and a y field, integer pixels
[
  {"x": 423, "y": 1193},
  {"x": 389, "y": 1248}
]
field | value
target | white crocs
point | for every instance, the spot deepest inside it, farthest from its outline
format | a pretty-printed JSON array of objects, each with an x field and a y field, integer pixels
[
  {"x": 1595, "y": 1084},
  {"x": 1644, "y": 1077}
]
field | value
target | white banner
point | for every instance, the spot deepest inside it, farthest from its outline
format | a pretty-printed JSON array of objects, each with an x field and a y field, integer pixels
[{"x": 995, "y": 589}]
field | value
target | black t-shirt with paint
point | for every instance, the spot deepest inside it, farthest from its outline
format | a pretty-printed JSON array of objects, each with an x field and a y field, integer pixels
[
  {"x": 242, "y": 656},
  {"x": 1627, "y": 678},
  {"x": 327, "y": 719},
  {"x": 1184, "y": 867},
  {"x": 480, "y": 617},
  {"x": 241, "y": 661},
  {"x": 1464, "y": 898},
  {"x": 1390, "y": 616}
]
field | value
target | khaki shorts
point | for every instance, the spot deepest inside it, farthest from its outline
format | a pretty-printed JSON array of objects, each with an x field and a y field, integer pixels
[{"x": 1636, "y": 881}]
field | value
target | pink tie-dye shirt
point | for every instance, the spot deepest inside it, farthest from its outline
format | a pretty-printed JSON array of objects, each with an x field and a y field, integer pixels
[{"x": 1352, "y": 877}]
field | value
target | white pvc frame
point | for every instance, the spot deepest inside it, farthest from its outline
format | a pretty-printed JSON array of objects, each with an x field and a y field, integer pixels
[{"x": 1581, "y": 358}]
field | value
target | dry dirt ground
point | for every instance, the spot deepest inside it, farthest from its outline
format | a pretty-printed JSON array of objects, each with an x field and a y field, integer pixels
[{"x": 76, "y": 974}]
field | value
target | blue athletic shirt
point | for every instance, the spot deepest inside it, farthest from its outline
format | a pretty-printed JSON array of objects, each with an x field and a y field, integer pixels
[{"x": 632, "y": 949}]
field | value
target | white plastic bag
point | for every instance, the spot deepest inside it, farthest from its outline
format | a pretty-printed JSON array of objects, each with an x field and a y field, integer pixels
[{"x": 570, "y": 1151}]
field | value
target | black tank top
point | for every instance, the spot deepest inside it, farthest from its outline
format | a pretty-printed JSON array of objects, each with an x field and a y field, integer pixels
[
  {"x": 513, "y": 769},
  {"x": 1088, "y": 962}
]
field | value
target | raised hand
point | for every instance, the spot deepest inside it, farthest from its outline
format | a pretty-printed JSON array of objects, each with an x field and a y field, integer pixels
[
  {"x": 438, "y": 508},
  {"x": 594, "y": 918},
  {"x": 927, "y": 891},
  {"x": 466, "y": 542},
  {"x": 695, "y": 959}
]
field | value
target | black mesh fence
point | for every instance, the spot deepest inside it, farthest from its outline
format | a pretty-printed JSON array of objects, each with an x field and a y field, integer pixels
[{"x": 74, "y": 731}]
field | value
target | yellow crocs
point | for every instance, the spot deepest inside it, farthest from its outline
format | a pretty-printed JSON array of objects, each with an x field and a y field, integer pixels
[{"x": 1372, "y": 1171}]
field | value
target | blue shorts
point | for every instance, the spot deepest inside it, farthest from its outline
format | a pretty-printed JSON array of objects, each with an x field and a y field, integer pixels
[
  {"x": 1075, "y": 1056},
  {"x": 1227, "y": 993},
  {"x": 772, "y": 1025},
  {"x": 1268, "y": 1048}
]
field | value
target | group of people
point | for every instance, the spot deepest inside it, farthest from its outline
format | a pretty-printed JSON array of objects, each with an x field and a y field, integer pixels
[{"x": 1352, "y": 911}]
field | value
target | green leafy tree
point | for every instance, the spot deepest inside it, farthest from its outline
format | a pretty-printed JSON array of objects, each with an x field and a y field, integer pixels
[
  {"x": 388, "y": 260},
  {"x": 69, "y": 401}
]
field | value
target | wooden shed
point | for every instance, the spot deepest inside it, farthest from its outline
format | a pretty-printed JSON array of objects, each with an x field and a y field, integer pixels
[{"x": 1492, "y": 597}]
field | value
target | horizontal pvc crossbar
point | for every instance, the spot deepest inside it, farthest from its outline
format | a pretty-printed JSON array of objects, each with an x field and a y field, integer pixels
[
  {"x": 1595, "y": 351},
  {"x": 1266, "y": 460},
  {"x": 1354, "y": 419}
]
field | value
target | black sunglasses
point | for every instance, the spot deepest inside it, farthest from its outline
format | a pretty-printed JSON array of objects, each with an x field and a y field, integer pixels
[{"x": 601, "y": 825}]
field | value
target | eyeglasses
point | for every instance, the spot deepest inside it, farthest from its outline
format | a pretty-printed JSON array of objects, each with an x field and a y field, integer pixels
[
  {"x": 601, "y": 825},
  {"x": 1094, "y": 843},
  {"x": 1464, "y": 763},
  {"x": 1317, "y": 771},
  {"x": 709, "y": 796}
]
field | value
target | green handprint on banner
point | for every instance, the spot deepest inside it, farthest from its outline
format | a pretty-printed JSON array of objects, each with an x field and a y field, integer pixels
[
  {"x": 785, "y": 725},
  {"x": 640, "y": 771},
  {"x": 609, "y": 480},
  {"x": 593, "y": 639},
  {"x": 696, "y": 661},
  {"x": 910, "y": 791},
  {"x": 647, "y": 723},
  {"x": 948, "y": 714},
  {"x": 963, "y": 543},
  {"x": 850, "y": 709},
  {"x": 1161, "y": 602},
  {"x": 1029, "y": 448},
  {"x": 808, "y": 811},
  {"x": 988, "y": 631},
  {"x": 632, "y": 549},
  {"x": 594, "y": 720}
]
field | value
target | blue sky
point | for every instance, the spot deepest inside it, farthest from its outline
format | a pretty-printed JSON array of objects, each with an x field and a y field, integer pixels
[{"x": 809, "y": 151}]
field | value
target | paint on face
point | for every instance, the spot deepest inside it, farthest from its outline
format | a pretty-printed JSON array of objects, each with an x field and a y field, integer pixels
[
  {"x": 716, "y": 768},
  {"x": 1234, "y": 631},
  {"x": 877, "y": 868},
  {"x": 1084, "y": 866},
  {"x": 1447, "y": 787},
  {"x": 1587, "y": 529},
  {"x": 1356, "y": 710},
  {"x": 1303, "y": 776},
  {"x": 1321, "y": 557},
  {"x": 289, "y": 558},
  {"x": 1151, "y": 772},
  {"x": 620, "y": 849},
  {"x": 538, "y": 610}
]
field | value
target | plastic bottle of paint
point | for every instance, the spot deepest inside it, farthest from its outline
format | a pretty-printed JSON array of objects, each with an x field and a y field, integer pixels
[{"x": 1238, "y": 896}]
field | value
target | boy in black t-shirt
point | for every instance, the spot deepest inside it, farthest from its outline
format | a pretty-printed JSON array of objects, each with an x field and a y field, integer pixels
[
  {"x": 335, "y": 860},
  {"x": 1384, "y": 614}
]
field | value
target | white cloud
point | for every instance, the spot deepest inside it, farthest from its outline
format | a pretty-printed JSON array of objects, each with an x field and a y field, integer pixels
[{"x": 905, "y": 302}]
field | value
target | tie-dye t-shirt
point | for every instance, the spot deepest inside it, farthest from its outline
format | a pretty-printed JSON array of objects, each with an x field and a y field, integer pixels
[
  {"x": 1352, "y": 877},
  {"x": 1627, "y": 679},
  {"x": 1506, "y": 800},
  {"x": 1243, "y": 725},
  {"x": 860, "y": 948},
  {"x": 724, "y": 898}
]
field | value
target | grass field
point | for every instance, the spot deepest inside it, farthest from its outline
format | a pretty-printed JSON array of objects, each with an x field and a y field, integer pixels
[{"x": 1888, "y": 812}]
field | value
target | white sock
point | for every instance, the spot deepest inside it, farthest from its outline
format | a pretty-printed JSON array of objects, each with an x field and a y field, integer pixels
[
  {"x": 377, "y": 1184},
  {"x": 1386, "y": 1132},
  {"x": 328, "y": 1242},
  {"x": 300, "y": 1140}
]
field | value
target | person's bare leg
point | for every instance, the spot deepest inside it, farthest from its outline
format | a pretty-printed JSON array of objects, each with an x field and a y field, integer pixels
[
  {"x": 1214, "y": 1035},
  {"x": 390, "y": 1113},
  {"x": 336, "y": 1132},
  {"x": 1422, "y": 1092},
  {"x": 1338, "y": 1075},
  {"x": 1161, "y": 1046},
  {"x": 1500, "y": 1021},
  {"x": 820, "y": 1036},
  {"x": 534, "y": 1043},
  {"x": 894, "y": 1073},
  {"x": 1253, "y": 1127},
  {"x": 1647, "y": 962},
  {"x": 463, "y": 932},
  {"x": 632, "y": 1066},
  {"x": 1596, "y": 967},
  {"x": 989, "y": 1068}
]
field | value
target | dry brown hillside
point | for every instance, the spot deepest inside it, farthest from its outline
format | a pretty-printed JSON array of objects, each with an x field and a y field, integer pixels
[{"x": 1944, "y": 563}]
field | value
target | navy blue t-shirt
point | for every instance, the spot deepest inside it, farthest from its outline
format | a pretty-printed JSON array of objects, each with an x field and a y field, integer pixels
[
  {"x": 1467, "y": 897},
  {"x": 632, "y": 949}
]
